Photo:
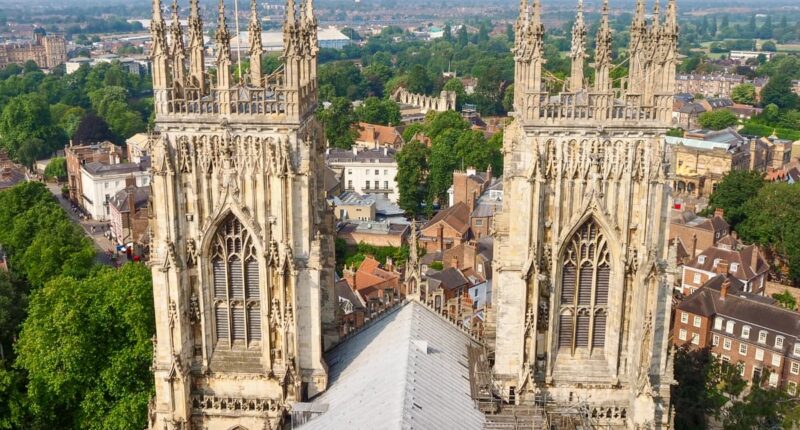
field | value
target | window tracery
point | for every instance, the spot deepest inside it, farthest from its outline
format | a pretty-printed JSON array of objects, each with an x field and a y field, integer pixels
[
  {"x": 585, "y": 277},
  {"x": 236, "y": 287}
]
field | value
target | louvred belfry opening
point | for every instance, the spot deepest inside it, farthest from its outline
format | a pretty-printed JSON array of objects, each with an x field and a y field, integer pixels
[
  {"x": 584, "y": 291},
  {"x": 237, "y": 306}
]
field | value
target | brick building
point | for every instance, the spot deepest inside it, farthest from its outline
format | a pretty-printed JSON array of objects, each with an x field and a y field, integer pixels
[
  {"x": 46, "y": 51},
  {"x": 129, "y": 214},
  {"x": 79, "y": 155},
  {"x": 744, "y": 329},
  {"x": 374, "y": 136},
  {"x": 695, "y": 233},
  {"x": 716, "y": 85},
  {"x": 727, "y": 257},
  {"x": 450, "y": 227},
  {"x": 378, "y": 286}
]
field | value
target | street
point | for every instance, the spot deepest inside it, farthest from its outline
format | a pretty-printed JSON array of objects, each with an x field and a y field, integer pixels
[{"x": 101, "y": 243}]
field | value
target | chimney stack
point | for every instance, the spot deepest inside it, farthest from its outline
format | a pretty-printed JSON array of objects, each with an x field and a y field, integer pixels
[
  {"x": 454, "y": 263},
  {"x": 441, "y": 238},
  {"x": 719, "y": 212},
  {"x": 722, "y": 267},
  {"x": 723, "y": 292}
]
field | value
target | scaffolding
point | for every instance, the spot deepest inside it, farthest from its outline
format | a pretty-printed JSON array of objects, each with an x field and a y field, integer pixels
[{"x": 540, "y": 413}]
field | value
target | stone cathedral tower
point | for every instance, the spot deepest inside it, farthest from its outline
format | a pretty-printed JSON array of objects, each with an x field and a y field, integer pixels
[
  {"x": 582, "y": 305},
  {"x": 242, "y": 248}
]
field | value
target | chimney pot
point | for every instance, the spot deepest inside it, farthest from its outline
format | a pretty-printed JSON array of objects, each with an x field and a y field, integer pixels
[
  {"x": 719, "y": 212},
  {"x": 723, "y": 292}
]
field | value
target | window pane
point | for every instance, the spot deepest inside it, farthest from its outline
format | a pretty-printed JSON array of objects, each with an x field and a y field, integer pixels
[
  {"x": 251, "y": 268},
  {"x": 565, "y": 332},
  {"x": 582, "y": 332},
  {"x": 238, "y": 323},
  {"x": 599, "y": 339},
  {"x": 603, "y": 280},
  {"x": 237, "y": 282},
  {"x": 585, "y": 287},
  {"x": 222, "y": 322},
  {"x": 568, "y": 285},
  {"x": 219, "y": 279},
  {"x": 254, "y": 324}
]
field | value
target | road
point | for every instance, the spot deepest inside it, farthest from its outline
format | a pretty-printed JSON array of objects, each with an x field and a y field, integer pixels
[{"x": 101, "y": 243}]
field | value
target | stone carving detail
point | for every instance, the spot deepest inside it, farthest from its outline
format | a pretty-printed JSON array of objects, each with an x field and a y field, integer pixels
[
  {"x": 220, "y": 404},
  {"x": 173, "y": 314},
  {"x": 609, "y": 415},
  {"x": 191, "y": 253},
  {"x": 643, "y": 384},
  {"x": 194, "y": 309}
]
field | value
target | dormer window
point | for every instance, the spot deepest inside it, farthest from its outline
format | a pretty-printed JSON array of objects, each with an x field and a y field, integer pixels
[
  {"x": 762, "y": 337},
  {"x": 734, "y": 267},
  {"x": 746, "y": 332},
  {"x": 729, "y": 326},
  {"x": 797, "y": 349},
  {"x": 718, "y": 323},
  {"x": 779, "y": 342},
  {"x": 716, "y": 262},
  {"x": 701, "y": 259}
]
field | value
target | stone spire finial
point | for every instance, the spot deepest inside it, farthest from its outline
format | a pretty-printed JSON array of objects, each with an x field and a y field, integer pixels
[
  {"x": 223, "y": 38},
  {"x": 578, "y": 54},
  {"x": 671, "y": 22},
  {"x": 656, "y": 17},
  {"x": 603, "y": 53},
  {"x": 178, "y": 49},
  {"x": 160, "y": 52},
  {"x": 310, "y": 27},
  {"x": 256, "y": 46},
  {"x": 290, "y": 30},
  {"x": 197, "y": 56},
  {"x": 636, "y": 49},
  {"x": 413, "y": 255}
]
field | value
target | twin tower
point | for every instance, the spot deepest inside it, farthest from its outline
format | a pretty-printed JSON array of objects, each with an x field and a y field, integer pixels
[
  {"x": 581, "y": 288},
  {"x": 242, "y": 250}
]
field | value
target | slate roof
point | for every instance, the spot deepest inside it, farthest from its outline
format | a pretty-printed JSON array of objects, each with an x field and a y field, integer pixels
[
  {"x": 449, "y": 279},
  {"x": 343, "y": 290},
  {"x": 380, "y": 155},
  {"x": 456, "y": 216},
  {"x": 748, "y": 259},
  {"x": 380, "y": 134},
  {"x": 95, "y": 168},
  {"x": 744, "y": 307},
  {"x": 141, "y": 198},
  {"x": 407, "y": 370}
]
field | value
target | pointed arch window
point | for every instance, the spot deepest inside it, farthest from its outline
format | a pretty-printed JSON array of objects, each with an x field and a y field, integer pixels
[
  {"x": 585, "y": 277},
  {"x": 236, "y": 289}
]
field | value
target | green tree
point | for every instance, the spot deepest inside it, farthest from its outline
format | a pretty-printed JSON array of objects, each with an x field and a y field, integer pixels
[
  {"x": 339, "y": 120},
  {"x": 412, "y": 166},
  {"x": 419, "y": 81},
  {"x": 13, "y": 302},
  {"x": 718, "y": 119},
  {"x": 769, "y": 46},
  {"x": 735, "y": 189},
  {"x": 508, "y": 98},
  {"x": 67, "y": 117},
  {"x": 86, "y": 346},
  {"x": 342, "y": 79},
  {"x": 111, "y": 104},
  {"x": 786, "y": 300},
  {"x": 778, "y": 91},
  {"x": 676, "y": 132},
  {"x": 56, "y": 169},
  {"x": 744, "y": 94},
  {"x": 761, "y": 408},
  {"x": 771, "y": 219},
  {"x": 378, "y": 111},
  {"x": 26, "y": 121},
  {"x": 438, "y": 122},
  {"x": 92, "y": 129}
]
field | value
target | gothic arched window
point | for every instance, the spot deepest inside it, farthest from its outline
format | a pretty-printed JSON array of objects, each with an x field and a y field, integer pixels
[
  {"x": 237, "y": 293},
  {"x": 585, "y": 277}
]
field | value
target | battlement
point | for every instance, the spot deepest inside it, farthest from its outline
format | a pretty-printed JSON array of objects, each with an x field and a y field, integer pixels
[
  {"x": 593, "y": 109},
  {"x": 183, "y": 87}
]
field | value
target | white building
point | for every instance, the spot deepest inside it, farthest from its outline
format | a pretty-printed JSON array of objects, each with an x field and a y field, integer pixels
[
  {"x": 272, "y": 41},
  {"x": 101, "y": 182},
  {"x": 132, "y": 65},
  {"x": 370, "y": 171},
  {"x": 138, "y": 147}
]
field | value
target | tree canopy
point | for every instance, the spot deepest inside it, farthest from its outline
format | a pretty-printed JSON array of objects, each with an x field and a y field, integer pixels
[
  {"x": 378, "y": 111},
  {"x": 717, "y": 120},
  {"x": 339, "y": 120},
  {"x": 735, "y": 189},
  {"x": 86, "y": 347}
]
